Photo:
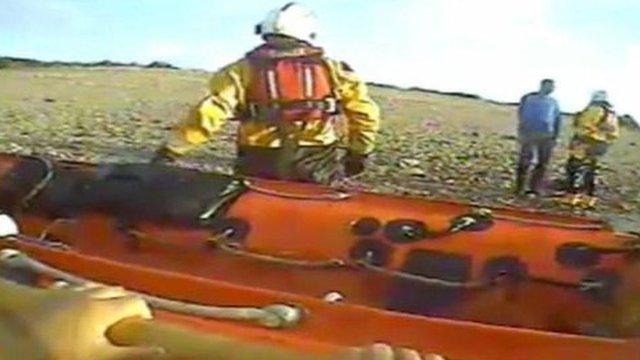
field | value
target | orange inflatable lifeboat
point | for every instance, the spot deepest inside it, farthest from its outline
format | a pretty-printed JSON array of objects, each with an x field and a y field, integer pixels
[{"x": 464, "y": 281}]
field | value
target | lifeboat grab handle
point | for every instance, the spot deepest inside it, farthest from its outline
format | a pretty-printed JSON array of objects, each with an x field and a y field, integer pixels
[{"x": 272, "y": 316}]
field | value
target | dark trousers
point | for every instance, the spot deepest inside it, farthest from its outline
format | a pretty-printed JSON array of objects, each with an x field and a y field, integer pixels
[
  {"x": 581, "y": 175},
  {"x": 582, "y": 167},
  {"x": 539, "y": 148},
  {"x": 314, "y": 164}
]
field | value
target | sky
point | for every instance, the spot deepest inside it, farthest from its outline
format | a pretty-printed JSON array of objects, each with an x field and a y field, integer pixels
[{"x": 498, "y": 49}]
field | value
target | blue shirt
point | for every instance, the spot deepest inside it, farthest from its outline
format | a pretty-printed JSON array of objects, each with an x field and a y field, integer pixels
[{"x": 538, "y": 114}]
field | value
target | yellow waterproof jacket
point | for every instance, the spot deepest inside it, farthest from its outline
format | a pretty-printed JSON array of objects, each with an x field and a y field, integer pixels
[
  {"x": 596, "y": 123},
  {"x": 227, "y": 90}
]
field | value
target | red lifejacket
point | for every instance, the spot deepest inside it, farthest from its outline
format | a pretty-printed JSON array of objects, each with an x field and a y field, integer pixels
[{"x": 289, "y": 85}]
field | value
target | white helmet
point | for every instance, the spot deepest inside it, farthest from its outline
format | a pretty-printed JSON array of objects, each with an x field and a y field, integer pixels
[
  {"x": 8, "y": 226},
  {"x": 293, "y": 20},
  {"x": 599, "y": 96}
]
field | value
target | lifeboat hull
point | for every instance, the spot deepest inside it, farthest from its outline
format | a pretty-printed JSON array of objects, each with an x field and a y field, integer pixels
[{"x": 434, "y": 275}]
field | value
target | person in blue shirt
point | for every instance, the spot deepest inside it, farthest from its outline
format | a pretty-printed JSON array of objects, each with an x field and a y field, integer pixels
[{"x": 539, "y": 121}]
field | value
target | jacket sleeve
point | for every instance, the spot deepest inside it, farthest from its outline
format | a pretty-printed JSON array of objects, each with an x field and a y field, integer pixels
[
  {"x": 521, "y": 106},
  {"x": 226, "y": 95},
  {"x": 362, "y": 113},
  {"x": 613, "y": 128},
  {"x": 557, "y": 124}
]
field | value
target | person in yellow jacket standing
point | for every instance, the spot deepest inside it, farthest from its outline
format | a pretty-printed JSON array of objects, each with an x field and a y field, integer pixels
[
  {"x": 288, "y": 97},
  {"x": 594, "y": 128}
]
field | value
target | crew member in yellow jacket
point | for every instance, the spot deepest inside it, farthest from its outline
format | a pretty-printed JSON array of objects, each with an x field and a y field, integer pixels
[
  {"x": 289, "y": 99},
  {"x": 594, "y": 128}
]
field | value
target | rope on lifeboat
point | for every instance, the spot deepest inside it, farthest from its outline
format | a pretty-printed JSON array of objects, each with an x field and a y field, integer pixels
[
  {"x": 40, "y": 242},
  {"x": 475, "y": 285},
  {"x": 584, "y": 285},
  {"x": 368, "y": 263},
  {"x": 42, "y": 239},
  {"x": 52, "y": 225},
  {"x": 22, "y": 261},
  {"x": 336, "y": 196},
  {"x": 487, "y": 214},
  {"x": 46, "y": 179},
  {"x": 557, "y": 224},
  {"x": 221, "y": 241},
  {"x": 271, "y": 316}
]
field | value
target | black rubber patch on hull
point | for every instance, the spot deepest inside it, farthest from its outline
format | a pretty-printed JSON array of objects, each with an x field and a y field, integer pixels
[
  {"x": 423, "y": 299},
  {"x": 405, "y": 231},
  {"x": 374, "y": 251},
  {"x": 505, "y": 267},
  {"x": 577, "y": 255},
  {"x": 365, "y": 226}
]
